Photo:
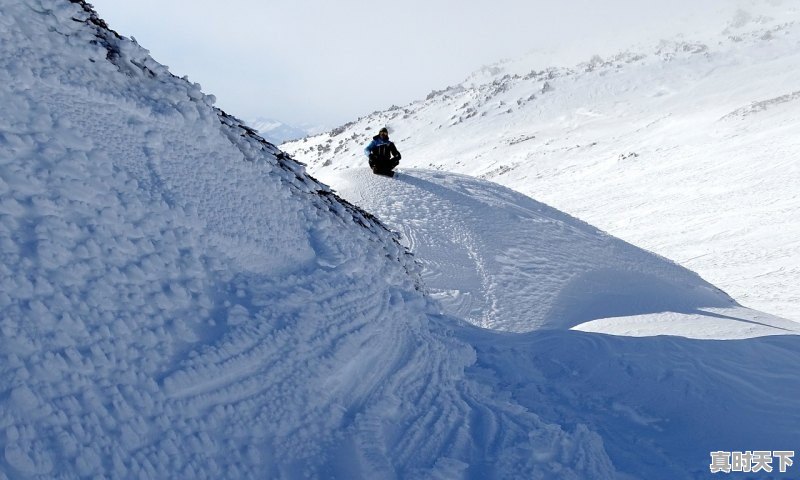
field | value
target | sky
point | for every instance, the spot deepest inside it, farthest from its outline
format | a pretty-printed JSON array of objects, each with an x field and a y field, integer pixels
[{"x": 311, "y": 62}]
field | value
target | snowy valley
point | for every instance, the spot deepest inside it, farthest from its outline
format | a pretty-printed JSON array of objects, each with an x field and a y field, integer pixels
[
  {"x": 181, "y": 299},
  {"x": 687, "y": 148}
]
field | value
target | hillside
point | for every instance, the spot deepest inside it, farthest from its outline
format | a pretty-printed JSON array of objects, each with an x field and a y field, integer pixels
[
  {"x": 180, "y": 299},
  {"x": 685, "y": 148}
]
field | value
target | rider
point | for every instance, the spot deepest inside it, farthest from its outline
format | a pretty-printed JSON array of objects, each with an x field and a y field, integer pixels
[{"x": 383, "y": 155}]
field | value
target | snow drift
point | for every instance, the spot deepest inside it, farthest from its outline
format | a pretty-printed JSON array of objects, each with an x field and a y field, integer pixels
[{"x": 501, "y": 260}]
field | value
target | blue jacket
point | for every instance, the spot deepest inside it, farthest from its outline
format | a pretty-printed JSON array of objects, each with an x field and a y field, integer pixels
[{"x": 381, "y": 149}]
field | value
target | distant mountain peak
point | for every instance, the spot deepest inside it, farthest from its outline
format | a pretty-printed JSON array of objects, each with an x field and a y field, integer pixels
[
  {"x": 566, "y": 135},
  {"x": 278, "y": 132}
]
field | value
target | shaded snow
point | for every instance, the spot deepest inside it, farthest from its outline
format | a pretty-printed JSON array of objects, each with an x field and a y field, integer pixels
[{"x": 180, "y": 300}]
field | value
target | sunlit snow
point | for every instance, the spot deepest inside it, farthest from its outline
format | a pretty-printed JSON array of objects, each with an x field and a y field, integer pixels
[{"x": 687, "y": 148}]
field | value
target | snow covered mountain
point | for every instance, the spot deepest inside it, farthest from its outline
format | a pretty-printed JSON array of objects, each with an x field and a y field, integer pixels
[
  {"x": 181, "y": 300},
  {"x": 687, "y": 148},
  {"x": 277, "y": 132}
]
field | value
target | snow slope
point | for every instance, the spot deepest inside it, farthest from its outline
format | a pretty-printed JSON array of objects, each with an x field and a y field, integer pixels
[
  {"x": 503, "y": 261},
  {"x": 687, "y": 148},
  {"x": 180, "y": 300}
]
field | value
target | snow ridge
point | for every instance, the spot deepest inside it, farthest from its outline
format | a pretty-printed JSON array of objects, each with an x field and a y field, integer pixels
[{"x": 503, "y": 261}]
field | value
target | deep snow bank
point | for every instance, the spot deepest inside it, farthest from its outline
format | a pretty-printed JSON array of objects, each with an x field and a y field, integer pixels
[
  {"x": 660, "y": 404},
  {"x": 179, "y": 300}
]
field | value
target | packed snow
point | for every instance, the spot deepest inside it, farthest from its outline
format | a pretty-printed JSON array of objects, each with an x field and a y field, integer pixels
[{"x": 181, "y": 300}]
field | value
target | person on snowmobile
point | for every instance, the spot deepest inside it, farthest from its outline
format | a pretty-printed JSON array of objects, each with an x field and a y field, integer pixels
[{"x": 383, "y": 155}]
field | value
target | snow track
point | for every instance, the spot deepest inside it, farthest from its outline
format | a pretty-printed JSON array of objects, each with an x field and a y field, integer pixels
[{"x": 504, "y": 261}]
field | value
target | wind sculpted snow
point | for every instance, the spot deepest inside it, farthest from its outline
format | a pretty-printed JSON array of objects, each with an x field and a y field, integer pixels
[{"x": 180, "y": 300}]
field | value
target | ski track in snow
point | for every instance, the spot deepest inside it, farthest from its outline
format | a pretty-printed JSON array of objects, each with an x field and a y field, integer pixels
[
  {"x": 179, "y": 300},
  {"x": 666, "y": 400},
  {"x": 503, "y": 261}
]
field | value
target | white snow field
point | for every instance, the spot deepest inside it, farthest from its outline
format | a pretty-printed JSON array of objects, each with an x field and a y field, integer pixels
[
  {"x": 503, "y": 261},
  {"x": 688, "y": 148},
  {"x": 181, "y": 300}
]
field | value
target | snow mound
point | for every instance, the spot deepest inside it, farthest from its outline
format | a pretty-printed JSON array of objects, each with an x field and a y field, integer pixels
[
  {"x": 659, "y": 404},
  {"x": 504, "y": 261}
]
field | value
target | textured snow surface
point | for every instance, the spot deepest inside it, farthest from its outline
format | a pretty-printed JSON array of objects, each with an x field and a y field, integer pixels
[
  {"x": 180, "y": 300},
  {"x": 688, "y": 148},
  {"x": 501, "y": 260}
]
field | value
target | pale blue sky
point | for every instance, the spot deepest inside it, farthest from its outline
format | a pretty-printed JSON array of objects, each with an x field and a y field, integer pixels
[{"x": 325, "y": 62}]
